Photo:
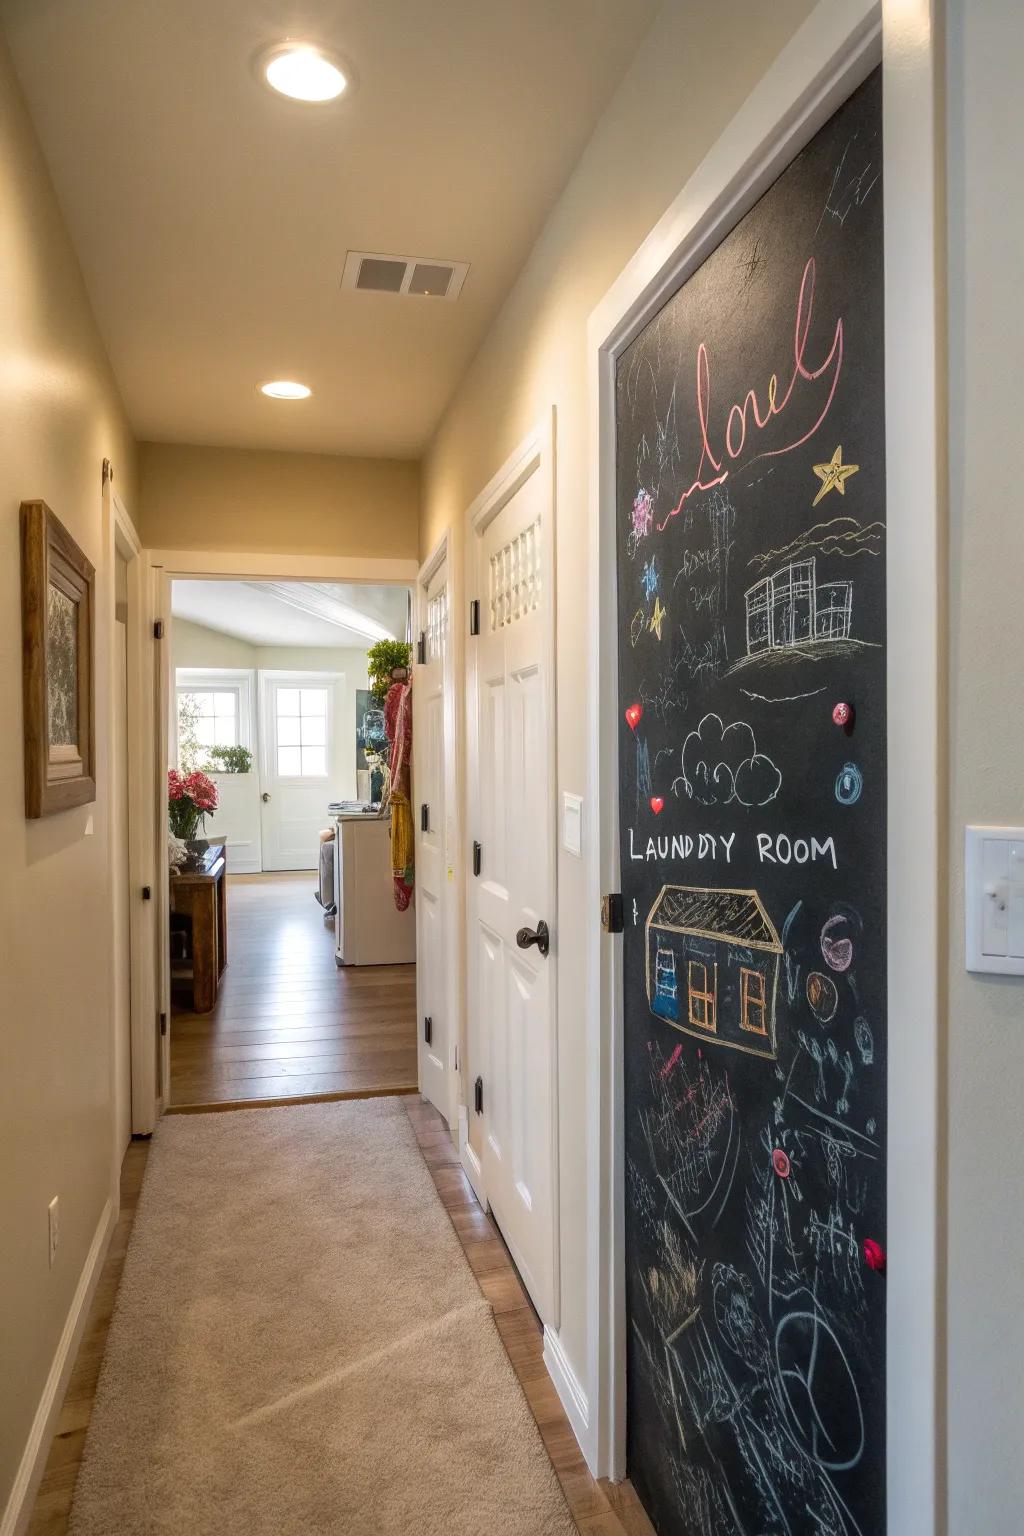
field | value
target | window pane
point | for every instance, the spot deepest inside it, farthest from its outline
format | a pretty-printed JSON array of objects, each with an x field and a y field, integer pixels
[
  {"x": 205, "y": 702},
  {"x": 227, "y": 736},
  {"x": 314, "y": 701},
  {"x": 287, "y": 701},
  {"x": 287, "y": 732},
  {"x": 314, "y": 761},
  {"x": 224, "y": 703},
  {"x": 289, "y": 762},
  {"x": 206, "y": 732},
  {"x": 314, "y": 731}
]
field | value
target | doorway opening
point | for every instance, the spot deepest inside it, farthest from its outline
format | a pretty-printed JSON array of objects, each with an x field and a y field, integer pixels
[{"x": 292, "y": 969}]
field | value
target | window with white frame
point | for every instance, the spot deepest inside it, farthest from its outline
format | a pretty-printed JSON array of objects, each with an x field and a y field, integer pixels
[
  {"x": 300, "y": 717},
  {"x": 208, "y": 717}
]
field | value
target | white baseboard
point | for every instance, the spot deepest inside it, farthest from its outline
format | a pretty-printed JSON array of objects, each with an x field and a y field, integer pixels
[
  {"x": 567, "y": 1384},
  {"x": 471, "y": 1164},
  {"x": 33, "y": 1462}
]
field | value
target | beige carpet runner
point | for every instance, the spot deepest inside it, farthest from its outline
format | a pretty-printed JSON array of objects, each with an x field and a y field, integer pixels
[{"x": 299, "y": 1346}]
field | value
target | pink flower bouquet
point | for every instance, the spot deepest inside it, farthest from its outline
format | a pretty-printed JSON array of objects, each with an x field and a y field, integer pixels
[{"x": 190, "y": 798}]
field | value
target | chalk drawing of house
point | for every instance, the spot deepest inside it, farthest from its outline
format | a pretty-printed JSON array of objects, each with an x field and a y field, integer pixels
[
  {"x": 791, "y": 607},
  {"x": 713, "y": 966}
]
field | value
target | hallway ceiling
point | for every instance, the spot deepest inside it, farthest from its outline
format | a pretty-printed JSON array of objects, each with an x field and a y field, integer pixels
[{"x": 212, "y": 217}]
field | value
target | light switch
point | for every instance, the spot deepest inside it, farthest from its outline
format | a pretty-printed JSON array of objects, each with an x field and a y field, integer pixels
[
  {"x": 994, "y": 899},
  {"x": 572, "y": 824}
]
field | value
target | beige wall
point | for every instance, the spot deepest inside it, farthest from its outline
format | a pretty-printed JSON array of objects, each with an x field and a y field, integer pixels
[
  {"x": 247, "y": 500},
  {"x": 691, "y": 74},
  {"x": 60, "y": 415},
  {"x": 986, "y": 559}
]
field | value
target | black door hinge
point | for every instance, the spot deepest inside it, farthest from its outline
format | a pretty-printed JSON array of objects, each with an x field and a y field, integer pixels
[
  {"x": 477, "y": 855},
  {"x": 474, "y": 616},
  {"x": 421, "y": 649},
  {"x": 163, "y": 1023},
  {"x": 428, "y": 1029},
  {"x": 612, "y": 912},
  {"x": 478, "y": 1095},
  {"x": 424, "y": 817},
  {"x": 158, "y": 629}
]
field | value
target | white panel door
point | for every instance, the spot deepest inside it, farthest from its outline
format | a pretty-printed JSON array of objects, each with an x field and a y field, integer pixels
[
  {"x": 433, "y": 982},
  {"x": 297, "y": 776},
  {"x": 512, "y": 779}
]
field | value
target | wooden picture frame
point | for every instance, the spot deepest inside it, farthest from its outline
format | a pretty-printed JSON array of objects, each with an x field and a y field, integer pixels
[{"x": 58, "y": 640}]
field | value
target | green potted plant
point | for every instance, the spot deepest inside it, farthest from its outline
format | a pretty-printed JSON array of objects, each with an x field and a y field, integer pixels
[{"x": 380, "y": 659}]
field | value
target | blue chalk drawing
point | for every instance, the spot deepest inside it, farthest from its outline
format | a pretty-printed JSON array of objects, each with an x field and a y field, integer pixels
[{"x": 849, "y": 784}]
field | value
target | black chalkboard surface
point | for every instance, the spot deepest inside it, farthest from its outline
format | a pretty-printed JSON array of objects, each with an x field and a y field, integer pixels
[{"x": 751, "y": 601}]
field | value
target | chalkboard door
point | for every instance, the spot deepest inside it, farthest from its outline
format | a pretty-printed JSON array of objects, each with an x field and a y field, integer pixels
[{"x": 751, "y": 600}]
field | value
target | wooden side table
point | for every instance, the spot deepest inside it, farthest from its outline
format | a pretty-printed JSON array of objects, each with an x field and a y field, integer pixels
[{"x": 201, "y": 893}]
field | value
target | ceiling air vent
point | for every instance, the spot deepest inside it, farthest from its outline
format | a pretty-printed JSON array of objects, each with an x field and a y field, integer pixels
[{"x": 410, "y": 276}]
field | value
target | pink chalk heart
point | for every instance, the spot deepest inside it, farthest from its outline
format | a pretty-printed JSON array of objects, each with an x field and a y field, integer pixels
[
  {"x": 657, "y": 804},
  {"x": 633, "y": 714}
]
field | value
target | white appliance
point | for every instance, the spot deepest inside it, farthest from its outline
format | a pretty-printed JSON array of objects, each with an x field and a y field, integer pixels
[{"x": 369, "y": 929}]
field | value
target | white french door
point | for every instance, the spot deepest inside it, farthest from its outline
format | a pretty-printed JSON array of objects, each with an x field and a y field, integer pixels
[
  {"x": 512, "y": 1137},
  {"x": 433, "y": 751},
  {"x": 298, "y": 714}
]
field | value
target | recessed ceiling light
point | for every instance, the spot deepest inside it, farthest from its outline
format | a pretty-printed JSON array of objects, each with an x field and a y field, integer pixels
[
  {"x": 304, "y": 73},
  {"x": 286, "y": 389}
]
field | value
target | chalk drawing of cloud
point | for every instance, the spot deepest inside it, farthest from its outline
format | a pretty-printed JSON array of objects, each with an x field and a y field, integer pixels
[{"x": 721, "y": 764}]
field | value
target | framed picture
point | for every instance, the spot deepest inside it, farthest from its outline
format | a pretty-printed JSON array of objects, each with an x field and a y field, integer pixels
[{"x": 58, "y": 624}]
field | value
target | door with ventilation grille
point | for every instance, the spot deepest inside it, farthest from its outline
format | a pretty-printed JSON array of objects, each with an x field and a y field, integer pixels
[{"x": 511, "y": 1147}]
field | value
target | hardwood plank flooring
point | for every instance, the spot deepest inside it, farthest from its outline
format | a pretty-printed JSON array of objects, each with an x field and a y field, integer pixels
[{"x": 289, "y": 1023}]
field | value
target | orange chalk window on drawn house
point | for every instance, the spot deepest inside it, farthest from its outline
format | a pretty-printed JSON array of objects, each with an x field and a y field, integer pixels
[
  {"x": 752, "y": 1001},
  {"x": 702, "y": 995}
]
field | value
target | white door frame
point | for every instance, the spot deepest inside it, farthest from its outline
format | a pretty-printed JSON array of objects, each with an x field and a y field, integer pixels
[
  {"x": 534, "y": 455},
  {"x": 162, "y": 566},
  {"x": 441, "y": 556},
  {"x": 122, "y": 539},
  {"x": 830, "y": 54}
]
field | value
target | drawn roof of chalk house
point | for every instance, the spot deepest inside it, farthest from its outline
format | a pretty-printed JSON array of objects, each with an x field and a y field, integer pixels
[{"x": 736, "y": 916}]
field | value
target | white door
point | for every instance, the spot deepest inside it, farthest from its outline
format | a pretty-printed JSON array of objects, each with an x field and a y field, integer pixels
[
  {"x": 121, "y": 870},
  {"x": 512, "y": 815},
  {"x": 298, "y": 715},
  {"x": 434, "y": 981}
]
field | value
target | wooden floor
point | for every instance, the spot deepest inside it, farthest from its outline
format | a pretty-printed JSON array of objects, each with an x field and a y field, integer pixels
[
  {"x": 598, "y": 1508},
  {"x": 290, "y": 1023}
]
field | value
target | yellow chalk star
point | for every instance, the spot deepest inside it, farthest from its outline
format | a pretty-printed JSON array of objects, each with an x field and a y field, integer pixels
[
  {"x": 833, "y": 474},
  {"x": 656, "y": 618}
]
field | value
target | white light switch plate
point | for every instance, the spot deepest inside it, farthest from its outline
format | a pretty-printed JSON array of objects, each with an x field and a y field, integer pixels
[
  {"x": 572, "y": 824},
  {"x": 994, "y": 899}
]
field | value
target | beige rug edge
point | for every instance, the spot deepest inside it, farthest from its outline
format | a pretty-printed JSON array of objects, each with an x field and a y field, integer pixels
[{"x": 449, "y": 1444}]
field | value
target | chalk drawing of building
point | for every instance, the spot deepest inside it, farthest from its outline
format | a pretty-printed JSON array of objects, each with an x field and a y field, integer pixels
[
  {"x": 713, "y": 966},
  {"x": 791, "y": 607}
]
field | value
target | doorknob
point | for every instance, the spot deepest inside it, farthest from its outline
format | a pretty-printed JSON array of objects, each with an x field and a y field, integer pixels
[
  {"x": 265, "y": 797},
  {"x": 539, "y": 936}
]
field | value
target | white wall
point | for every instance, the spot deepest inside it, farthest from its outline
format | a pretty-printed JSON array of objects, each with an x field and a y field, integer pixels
[
  {"x": 986, "y": 735},
  {"x": 238, "y": 817},
  {"x": 60, "y": 416},
  {"x": 691, "y": 73}
]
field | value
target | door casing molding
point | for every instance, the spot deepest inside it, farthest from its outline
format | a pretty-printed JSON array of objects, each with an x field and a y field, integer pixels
[
  {"x": 161, "y": 567},
  {"x": 454, "y": 913},
  {"x": 826, "y": 59}
]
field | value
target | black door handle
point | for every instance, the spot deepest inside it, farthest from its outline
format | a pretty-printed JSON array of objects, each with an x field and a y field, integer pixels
[{"x": 539, "y": 936}]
